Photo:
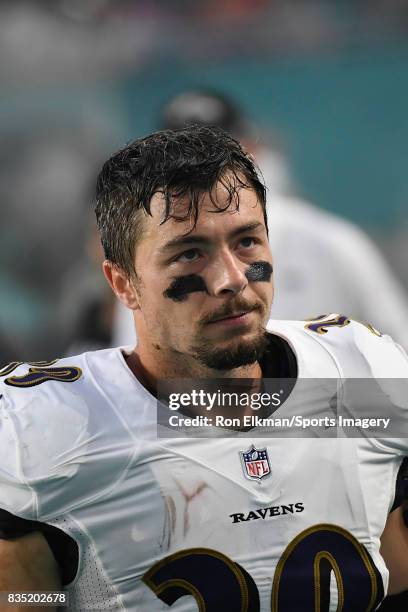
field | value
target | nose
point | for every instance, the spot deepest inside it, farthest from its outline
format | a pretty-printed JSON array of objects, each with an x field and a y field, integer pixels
[{"x": 225, "y": 276}]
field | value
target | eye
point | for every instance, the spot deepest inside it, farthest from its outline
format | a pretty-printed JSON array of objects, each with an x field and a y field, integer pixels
[
  {"x": 248, "y": 242},
  {"x": 188, "y": 256}
]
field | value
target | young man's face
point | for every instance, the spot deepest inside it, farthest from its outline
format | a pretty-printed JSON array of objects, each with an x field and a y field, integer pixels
[{"x": 205, "y": 293}]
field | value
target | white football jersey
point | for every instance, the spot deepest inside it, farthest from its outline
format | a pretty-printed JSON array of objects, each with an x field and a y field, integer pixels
[{"x": 178, "y": 523}]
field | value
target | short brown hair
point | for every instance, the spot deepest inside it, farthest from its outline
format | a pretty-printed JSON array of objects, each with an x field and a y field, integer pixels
[{"x": 177, "y": 163}]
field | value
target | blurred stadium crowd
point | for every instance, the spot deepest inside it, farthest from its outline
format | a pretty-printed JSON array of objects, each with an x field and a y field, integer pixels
[
  {"x": 98, "y": 36},
  {"x": 81, "y": 78}
]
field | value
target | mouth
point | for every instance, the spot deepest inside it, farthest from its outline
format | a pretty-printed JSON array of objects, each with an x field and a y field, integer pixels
[
  {"x": 237, "y": 318},
  {"x": 234, "y": 315}
]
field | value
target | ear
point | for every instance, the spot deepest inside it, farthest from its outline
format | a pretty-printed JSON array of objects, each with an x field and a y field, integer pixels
[{"x": 122, "y": 286}]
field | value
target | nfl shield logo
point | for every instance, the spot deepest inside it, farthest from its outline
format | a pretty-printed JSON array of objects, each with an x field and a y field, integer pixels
[{"x": 255, "y": 463}]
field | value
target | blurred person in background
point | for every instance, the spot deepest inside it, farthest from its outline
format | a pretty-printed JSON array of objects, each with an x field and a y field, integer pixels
[
  {"x": 46, "y": 170},
  {"x": 8, "y": 348},
  {"x": 396, "y": 246},
  {"x": 322, "y": 262},
  {"x": 45, "y": 173},
  {"x": 86, "y": 304}
]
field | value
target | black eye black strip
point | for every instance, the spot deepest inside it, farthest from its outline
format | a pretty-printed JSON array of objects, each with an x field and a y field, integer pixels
[
  {"x": 180, "y": 288},
  {"x": 259, "y": 271}
]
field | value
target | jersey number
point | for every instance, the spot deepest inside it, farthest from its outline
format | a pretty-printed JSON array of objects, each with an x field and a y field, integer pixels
[
  {"x": 301, "y": 582},
  {"x": 39, "y": 372},
  {"x": 322, "y": 324}
]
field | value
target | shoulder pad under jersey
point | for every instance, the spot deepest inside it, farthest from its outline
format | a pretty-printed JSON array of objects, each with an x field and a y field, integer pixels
[
  {"x": 361, "y": 351},
  {"x": 56, "y": 436}
]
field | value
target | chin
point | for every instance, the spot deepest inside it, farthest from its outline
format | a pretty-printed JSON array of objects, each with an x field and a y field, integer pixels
[{"x": 233, "y": 355}]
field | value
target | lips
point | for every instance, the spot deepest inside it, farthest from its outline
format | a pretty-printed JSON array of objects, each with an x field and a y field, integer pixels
[
  {"x": 235, "y": 318},
  {"x": 240, "y": 314},
  {"x": 231, "y": 316}
]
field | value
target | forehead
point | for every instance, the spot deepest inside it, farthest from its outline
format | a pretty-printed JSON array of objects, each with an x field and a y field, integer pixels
[{"x": 244, "y": 209}]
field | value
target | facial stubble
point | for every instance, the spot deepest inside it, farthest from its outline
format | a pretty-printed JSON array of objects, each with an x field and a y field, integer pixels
[{"x": 243, "y": 353}]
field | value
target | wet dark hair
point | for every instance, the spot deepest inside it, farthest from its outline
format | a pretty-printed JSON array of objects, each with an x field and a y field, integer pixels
[{"x": 182, "y": 163}]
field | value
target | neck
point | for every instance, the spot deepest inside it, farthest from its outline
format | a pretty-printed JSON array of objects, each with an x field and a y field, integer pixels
[
  {"x": 149, "y": 366},
  {"x": 150, "y": 376}
]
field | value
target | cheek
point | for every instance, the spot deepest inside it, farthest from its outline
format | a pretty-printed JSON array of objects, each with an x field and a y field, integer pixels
[
  {"x": 264, "y": 291},
  {"x": 152, "y": 302},
  {"x": 162, "y": 313}
]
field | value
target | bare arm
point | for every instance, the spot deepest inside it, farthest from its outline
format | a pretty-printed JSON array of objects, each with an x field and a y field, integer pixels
[
  {"x": 394, "y": 549},
  {"x": 27, "y": 564}
]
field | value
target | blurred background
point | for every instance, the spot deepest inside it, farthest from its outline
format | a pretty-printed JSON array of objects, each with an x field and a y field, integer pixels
[{"x": 325, "y": 82}]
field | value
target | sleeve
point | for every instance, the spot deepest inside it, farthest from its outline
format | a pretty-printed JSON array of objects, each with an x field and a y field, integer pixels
[
  {"x": 43, "y": 439},
  {"x": 64, "y": 548},
  {"x": 16, "y": 494},
  {"x": 12, "y": 526},
  {"x": 376, "y": 384}
]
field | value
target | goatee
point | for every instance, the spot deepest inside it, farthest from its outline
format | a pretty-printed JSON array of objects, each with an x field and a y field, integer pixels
[{"x": 245, "y": 353}]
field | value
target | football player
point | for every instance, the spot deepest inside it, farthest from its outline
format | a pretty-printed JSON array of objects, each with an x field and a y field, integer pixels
[{"x": 95, "y": 501}]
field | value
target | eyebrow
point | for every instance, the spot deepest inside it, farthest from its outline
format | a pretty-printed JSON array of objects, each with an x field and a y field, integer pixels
[{"x": 198, "y": 239}]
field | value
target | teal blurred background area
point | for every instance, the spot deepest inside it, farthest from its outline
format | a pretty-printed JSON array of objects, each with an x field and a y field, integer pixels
[
  {"x": 326, "y": 82},
  {"x": 341, "y": 119}
]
